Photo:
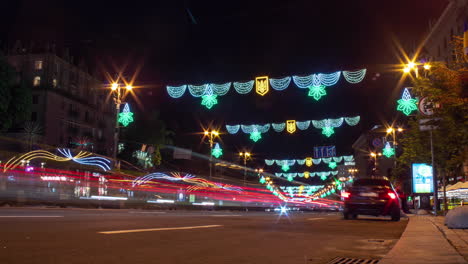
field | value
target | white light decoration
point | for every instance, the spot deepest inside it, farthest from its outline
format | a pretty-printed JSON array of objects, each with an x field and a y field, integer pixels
[
  {"x": 232, "y": 129},
  {"x": 176, "y": 91},
  {"x": 329, "y": 79},
  {"x": 303, "y": 125},
  {"x": 221, "y": 89},
  {"x": 278, "y": 127},
  {"x": 338, "y": 159},
  {"x": 326, "y": 160},
  {"x": 301, "y": 161},
  {"x": 100, "y": 162},
  {"x": 316, "y": 161},
  {"x": 244, "y": 87},
  {"x": 354, "y": 76},
  {"x": 348, "y": 158},
  {"x": 269, "y": 162},
  {"x": 352, "y": 121},
  {"x": 278, "y": 174},
  {"x": 280, "y": 84},
  {"x": 303, "y": 81},
  {"x": 198, "y": 90}
]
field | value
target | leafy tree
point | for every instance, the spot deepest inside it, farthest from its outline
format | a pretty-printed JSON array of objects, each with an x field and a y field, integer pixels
[{"x": 444, "y": 87}]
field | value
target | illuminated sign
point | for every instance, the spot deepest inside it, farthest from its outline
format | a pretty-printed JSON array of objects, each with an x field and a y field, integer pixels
[
  {"x": 423, "y": 179},
  {"x": 261, "y": 85}
]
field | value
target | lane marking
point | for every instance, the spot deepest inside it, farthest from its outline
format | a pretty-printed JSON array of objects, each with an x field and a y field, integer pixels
[
  {"x": 156, "y": 229},
  {"x": 318, "y": 218},
  {"x": 146, "y": 212},
  {"x": 30, "y": 216},
  {"x": 224, "y": 215}
]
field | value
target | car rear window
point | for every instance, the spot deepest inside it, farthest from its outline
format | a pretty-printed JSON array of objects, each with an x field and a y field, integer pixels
[{"x": 371, "y": 182}]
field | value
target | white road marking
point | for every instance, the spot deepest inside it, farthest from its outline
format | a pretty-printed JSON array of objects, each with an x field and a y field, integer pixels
[
  {"x": 147, "y": 212},
  {"x": 30, "y": 216},
  {"x": 156, "y": 229},
  {"x": 224, "y": 215},
  {"x": 318, "y": 218}
]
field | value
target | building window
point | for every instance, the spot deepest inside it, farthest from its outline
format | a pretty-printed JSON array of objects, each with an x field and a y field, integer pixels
[
  {"x": 37, "y": 81},
  {"x": 54, "y": 83},
  {"x": 38, "y": 65},
  {"x": 34, "y": 116},
  {"x": 35, "y": 99}
]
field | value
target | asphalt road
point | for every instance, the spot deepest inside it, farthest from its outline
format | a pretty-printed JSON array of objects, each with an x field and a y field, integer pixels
[{"x": 31, "y": 235}]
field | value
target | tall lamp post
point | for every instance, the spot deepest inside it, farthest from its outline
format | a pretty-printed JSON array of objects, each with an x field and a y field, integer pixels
[
  {"x": 375, "y": 157},
  {"x": 245, "y": 156},
  {"x": 211, "y": 136},
  {"x": 118, "y": 94}
]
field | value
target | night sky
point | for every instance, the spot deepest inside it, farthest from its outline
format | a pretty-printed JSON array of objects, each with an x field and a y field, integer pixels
[{"x": 237, "y": 41}]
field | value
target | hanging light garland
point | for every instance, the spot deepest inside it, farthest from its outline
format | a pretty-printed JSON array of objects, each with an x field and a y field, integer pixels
[
  {"x": 326, "y": 125},
  {"x": 407, "y": 104},
  {"x": 309, "y": 161},
  {"x": 316, "y": 83},
  {"x": 291, "y": 175}
]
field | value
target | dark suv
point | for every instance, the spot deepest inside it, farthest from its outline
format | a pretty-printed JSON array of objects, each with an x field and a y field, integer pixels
[{"x": 371, "y": 196}]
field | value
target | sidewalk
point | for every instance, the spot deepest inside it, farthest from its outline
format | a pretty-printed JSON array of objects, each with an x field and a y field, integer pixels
[{"x": 423, "y": 242}]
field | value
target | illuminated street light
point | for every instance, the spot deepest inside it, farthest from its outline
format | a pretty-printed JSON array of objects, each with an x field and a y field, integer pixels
[
  {"x": 211, "y": 136},
  {"x": 129, "y": 87},
  {"x": 411, "y": 65},
  {"x": 427, "y": 66},
  {"x": 245, "y": 156},
  {"x": 406, "y": 70}
]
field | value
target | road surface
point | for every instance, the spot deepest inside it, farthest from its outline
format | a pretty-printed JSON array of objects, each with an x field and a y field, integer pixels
[{"x": 52, "y": 235}]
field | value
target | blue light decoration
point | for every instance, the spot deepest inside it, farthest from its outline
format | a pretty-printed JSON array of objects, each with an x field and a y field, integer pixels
[
  {"x": 125, "y": 117},
  {"x": 316, "y": 83},
  {"x": 327, "y": 126},
  {"x": 100, "y": 162},
  {"x": 407, "y": 104},
  {"x": 217, "y": 151},
  {"x": 280, "y": 84},
  {"x": 354, "y": 76}
]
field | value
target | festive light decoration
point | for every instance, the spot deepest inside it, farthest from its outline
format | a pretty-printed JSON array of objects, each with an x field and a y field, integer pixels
[
  {"x": 269, "y": 162},
  {"x": 243, "y": 88},
  {"x": 125, "y": 117},
  {"x": 82, "y": 157},
  {"x": 144, "y": 158},
  {"x": 327, "y": 125},
  {"x": 208, "y": 98},
  {"x": 262, "y": 180},
  {"x": 317, "y": 91},
  {"x": 291, "y": 126},
  {"x": 337, "y": 159},
  {"x": 407, "y": 104},
  {"x": 232, "y": 129},
  {"x": 261, "y": 85},
  {"x": 176, "y": 91},
  {"x": 300, "y": 161},
  {"x": 285, "y": 167},
  {"x": 255, "y": 135},
  {"x": 303, "y": 125},
  {"x": 290, "y": 178},
  {"x": 332, "y": 165},
  {"x": 306, "y": 174},
  {"x": 354, "y": 76},
  {"x": 352, "y": 121},
  {"x": 217, "y": 151},
  {"x": 280, "y": 84},
  {"x": 278, "y": 127},
  {"x": 316, "y": 83},
  {"x": 308, "y": 161},
  {"x": 388, "y": 151}
]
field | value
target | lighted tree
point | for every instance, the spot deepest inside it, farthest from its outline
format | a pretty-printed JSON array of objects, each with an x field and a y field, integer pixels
[{"x": 126, "y": 117}]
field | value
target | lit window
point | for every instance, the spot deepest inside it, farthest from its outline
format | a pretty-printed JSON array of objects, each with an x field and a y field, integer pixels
[
  {"x": 38, "y": 65},
  {"x": 37, "y": 81},
  {"x": 54, "y": 83}
]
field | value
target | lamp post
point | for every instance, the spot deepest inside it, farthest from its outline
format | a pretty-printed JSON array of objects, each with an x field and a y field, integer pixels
[
  {"x": 245, "y": 156},
  {"x": 118, "y": 94},
  {"x": 211, "y": 136},
  {"x": 375, "y": 156}
]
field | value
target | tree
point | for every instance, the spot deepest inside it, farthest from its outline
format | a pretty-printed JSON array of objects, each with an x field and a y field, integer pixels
[{"x": 445, "y": 87}]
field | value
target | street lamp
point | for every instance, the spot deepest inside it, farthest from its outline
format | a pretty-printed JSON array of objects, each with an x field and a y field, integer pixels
[
  {"x": 375, "y": 156},
  {"x": 211, "y": 136},
  {"x": 245, "y": 156},
  {"x": 118, "y": 94}
]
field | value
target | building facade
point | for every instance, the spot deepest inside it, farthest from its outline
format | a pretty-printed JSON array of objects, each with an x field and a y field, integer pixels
[{"x": 69, "y": 104}]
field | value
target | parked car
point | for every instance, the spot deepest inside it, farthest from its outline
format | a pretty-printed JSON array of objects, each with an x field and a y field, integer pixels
[{"x": 371, "y": 196}]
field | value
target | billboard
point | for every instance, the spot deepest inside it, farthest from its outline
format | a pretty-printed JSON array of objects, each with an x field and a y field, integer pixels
[{"x": 423, "y": 179}]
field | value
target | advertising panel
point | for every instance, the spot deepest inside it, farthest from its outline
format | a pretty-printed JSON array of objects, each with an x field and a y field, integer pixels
[{"x": 423, "y": 179}]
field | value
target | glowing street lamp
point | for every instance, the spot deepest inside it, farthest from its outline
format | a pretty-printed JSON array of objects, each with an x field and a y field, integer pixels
[
  {"x": 211, "y": 136},
  {"x": 245, "y": 156}
]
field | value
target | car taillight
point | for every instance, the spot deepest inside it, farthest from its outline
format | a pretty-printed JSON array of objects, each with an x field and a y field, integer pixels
[
  {"x": 345, "y": 194},
  {"x": 392, "y": 195}
]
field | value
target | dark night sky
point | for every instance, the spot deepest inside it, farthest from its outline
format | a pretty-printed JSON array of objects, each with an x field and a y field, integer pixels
[{"x": 235, "y": 41}]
